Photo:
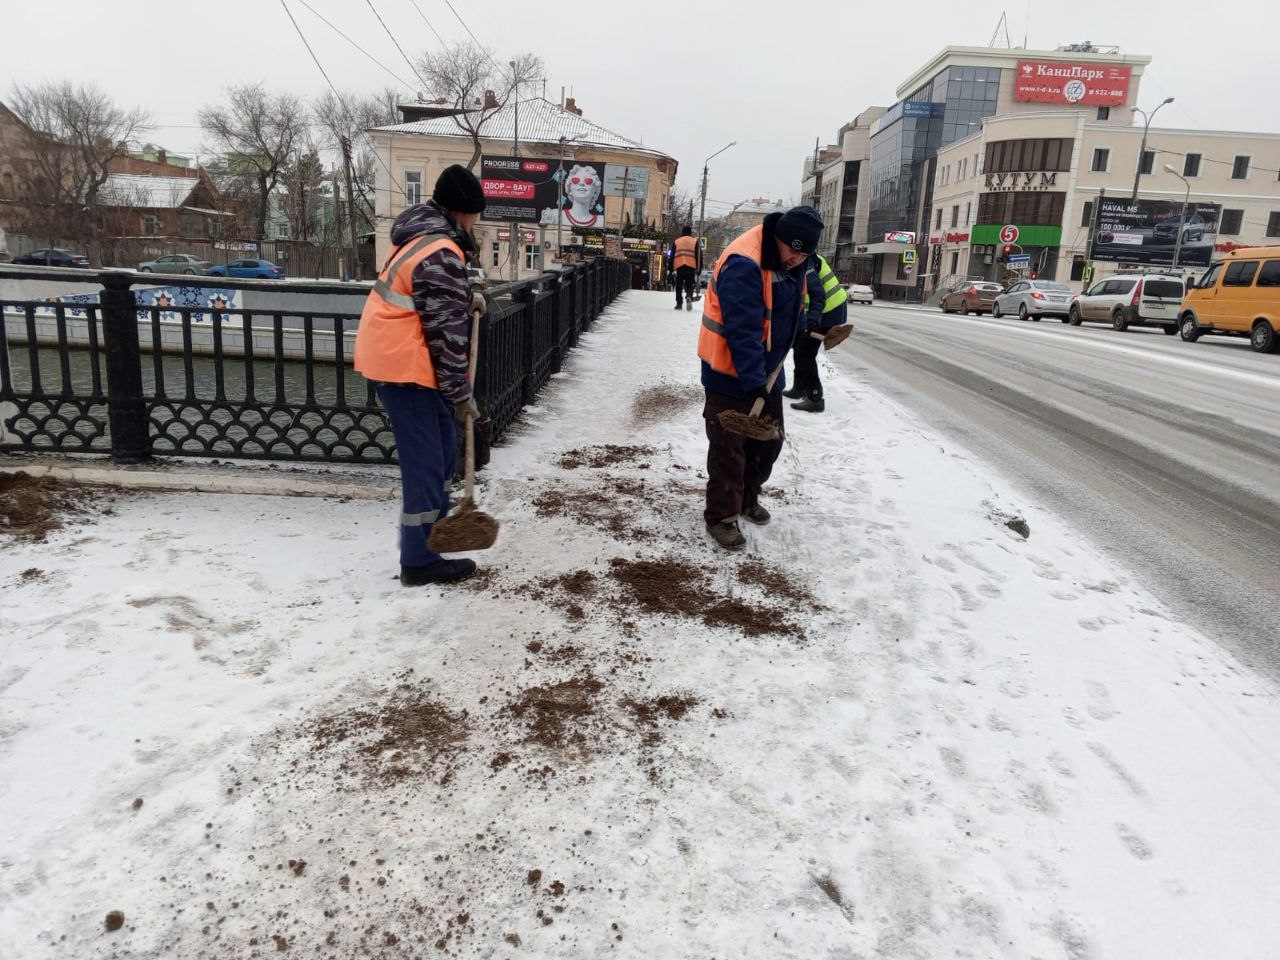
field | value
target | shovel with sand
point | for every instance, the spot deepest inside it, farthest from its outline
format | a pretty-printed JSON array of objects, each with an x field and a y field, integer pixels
[
  {"x": 833, "y": 337},
  {"x": 752, "y": 425},
  {"x": 468, "y": 527}
]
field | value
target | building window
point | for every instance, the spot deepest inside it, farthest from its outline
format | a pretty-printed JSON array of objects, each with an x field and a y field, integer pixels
[
  {"x": 151, "y": 226},
  {"x": 1028, "y": 209},
  {"x": 1017, "y": 156},
  {"x": 1147, "y": 162},
  {"x": 968, "y": 214},
  {"x": 1101, "y": 159},
  {"x": 1191, "y": 165},
  {"x": 1273, "y": 224},
  {"x": 1240, "y": 169},
  {"x": 497, "y": 253},
  {"x": 412, "y": 187},
  {"x": 1086, "y": 217},
  {"x": 937, "y": 224},
  {"x": 530, "y": 256},
  {"x": 955, "y": 216},
  {"x": 1231, "y": 220},
  {"x": 1104, "y": 113},
  {"x": 955, "y": 262},
  {"x": 1077, "y": 267}
]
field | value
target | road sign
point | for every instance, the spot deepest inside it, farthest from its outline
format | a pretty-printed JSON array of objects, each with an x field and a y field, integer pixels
[
  {"x": 908, "y": 256},
  {"x": 1009, "y": 233},
  {"x": 1019, "y": 258}
]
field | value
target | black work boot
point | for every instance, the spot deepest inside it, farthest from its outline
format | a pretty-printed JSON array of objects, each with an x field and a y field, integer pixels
[
  {"x": 442, "y": 571},
  {"x": 756, "y": 514},
  {"x": 679, "y": 305},
  {"x": 813, "y": 403},
  {"x": 792, "y": 393},
  {"x": 727, "y": 534}
]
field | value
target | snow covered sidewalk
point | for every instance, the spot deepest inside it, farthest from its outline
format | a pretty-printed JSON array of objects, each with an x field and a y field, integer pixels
[{"x": 892, "y": 728}]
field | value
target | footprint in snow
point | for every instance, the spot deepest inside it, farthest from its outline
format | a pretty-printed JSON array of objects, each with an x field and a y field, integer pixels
[
  {"x": 1100, "y": 705},
  {"x": 1095, "y": 624},
  {"x": 1134, "y": 842}
]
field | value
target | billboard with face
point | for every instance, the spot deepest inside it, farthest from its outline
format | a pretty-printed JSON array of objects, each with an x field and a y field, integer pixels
[
  {"x": 1149, "y": 231},
  {"x": 533, "y": 190}
]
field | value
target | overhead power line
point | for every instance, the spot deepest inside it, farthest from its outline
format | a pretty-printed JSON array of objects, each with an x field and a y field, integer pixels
[
  {"x": 470, "y": 34},
  {"x": 342, "y": 103},
  {"x": 382, "y": 66},
  {"x": 428, "y": 23},
  {"x": 397, "y": 45}
]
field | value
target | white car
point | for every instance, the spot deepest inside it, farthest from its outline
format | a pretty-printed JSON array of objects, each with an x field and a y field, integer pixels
[
  {"x": 1132, "y": 300},
  {"x": 1033, "y": 299},
  {"x": 860, "y": 293}
]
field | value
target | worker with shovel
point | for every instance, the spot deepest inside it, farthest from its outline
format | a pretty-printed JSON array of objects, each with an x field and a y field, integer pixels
[
  {"x": 686, "y": 262},
  {"x": 750, "y": 319},
  {"x": 825, "y": 310},
  {"x": 415, "y": 343}
]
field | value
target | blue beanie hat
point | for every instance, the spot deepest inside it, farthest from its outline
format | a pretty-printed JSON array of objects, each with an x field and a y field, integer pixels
[{"x": 799, "y": 228}]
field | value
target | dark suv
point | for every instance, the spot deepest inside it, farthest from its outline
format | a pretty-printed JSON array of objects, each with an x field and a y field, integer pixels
[{"x": 52, "y": 257}]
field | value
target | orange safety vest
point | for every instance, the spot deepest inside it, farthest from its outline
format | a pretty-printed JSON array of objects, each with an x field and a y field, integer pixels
[
  {"x": 686, "y": 253},
  {"x": 712, "y": 345},
  {"x": 390, "y": 347}
]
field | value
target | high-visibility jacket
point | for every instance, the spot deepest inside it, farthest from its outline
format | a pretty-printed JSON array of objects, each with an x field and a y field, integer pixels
[
  {"x": 831, "y": 286},
  {"x": 713, "y": 347},
  {"x": 390, "y": 346},
  {"x": 686, "y": 254}
]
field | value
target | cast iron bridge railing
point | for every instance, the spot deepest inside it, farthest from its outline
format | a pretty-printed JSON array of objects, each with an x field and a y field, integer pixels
[{"x": 182, "y": 371}]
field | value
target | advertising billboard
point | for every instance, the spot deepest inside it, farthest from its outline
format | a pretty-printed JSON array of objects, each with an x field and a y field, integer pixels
[
  {"x": 1095, "y": 84},
  {"x": 1147, "y": 231},
  {"x": 537, "y": 190}
]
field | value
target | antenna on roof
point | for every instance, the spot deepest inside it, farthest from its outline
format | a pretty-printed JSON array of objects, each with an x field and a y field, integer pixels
[{"x": 1001, "y": 25}]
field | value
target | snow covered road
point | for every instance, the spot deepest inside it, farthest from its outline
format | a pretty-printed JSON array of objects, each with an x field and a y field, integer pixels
[{"x": 893, "y": 729}]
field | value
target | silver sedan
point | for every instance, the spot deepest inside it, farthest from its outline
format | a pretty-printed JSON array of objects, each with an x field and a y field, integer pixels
[
  {"x": 175, "y": 263},
  {"x": 1033, "y": 299}
]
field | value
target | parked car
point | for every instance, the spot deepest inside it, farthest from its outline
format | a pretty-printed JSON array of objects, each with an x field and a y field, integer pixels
[
  {"x": 248, "y": 270},
  {"x": 972, "y": 297},
  {"x": 1033, "y": 299},
  {"x": 52, "y": 257},
  {"x": 860, "y": 293},
  {"x": 1167, "y": 229},
  {"x": 704, "y": 278},
  {"x": 1237, "y": 296},
  {"x": 1131, "y": 300},
  {"x": 175, "y": 263}
]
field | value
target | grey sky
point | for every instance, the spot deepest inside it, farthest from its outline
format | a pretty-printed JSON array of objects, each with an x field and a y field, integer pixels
[{"x": 686, "y": 78}]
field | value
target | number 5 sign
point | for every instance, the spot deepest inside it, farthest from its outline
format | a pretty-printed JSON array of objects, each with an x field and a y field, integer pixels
[{"x": 1008, "y": 233}]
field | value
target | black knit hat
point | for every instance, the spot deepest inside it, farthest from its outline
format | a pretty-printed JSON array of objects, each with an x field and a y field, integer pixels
[
  {"x": 458, "y": 190},
  {"x": 799, "y": 228}
]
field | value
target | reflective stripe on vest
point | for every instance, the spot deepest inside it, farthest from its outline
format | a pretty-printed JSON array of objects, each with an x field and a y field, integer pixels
[
  {"x": 390, "y": 346},
  {"x": 713, "y": 347},
  {"x": 835, "y": 292},
  {"x": 686, "y": 254}
]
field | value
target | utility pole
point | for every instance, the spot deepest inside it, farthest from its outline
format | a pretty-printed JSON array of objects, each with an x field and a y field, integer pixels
[
  {"x": 702, "y": 211},
  {"x": 515, "y": 152},
  {"x": 354, "y": 267},
  {"x": 622, "y": 207}
]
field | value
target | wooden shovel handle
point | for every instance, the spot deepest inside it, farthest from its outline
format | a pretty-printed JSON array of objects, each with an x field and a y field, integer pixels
[{"x": 469, "y": 456}]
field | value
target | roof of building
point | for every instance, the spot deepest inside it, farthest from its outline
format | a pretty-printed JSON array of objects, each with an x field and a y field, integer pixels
[
  {"x": 141, "y": 190},
  {"x": 541, "y": 121},
  {"x": 760, "y": 206},
  {"x": 1008, "y": 56}
]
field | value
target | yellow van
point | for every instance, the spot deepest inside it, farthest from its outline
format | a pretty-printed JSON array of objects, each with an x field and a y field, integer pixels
[{"x": 1239, "y": 295}]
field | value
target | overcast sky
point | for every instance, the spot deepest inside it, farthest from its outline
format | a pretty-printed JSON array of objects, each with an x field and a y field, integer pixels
[{"x": 686, "y": 78}]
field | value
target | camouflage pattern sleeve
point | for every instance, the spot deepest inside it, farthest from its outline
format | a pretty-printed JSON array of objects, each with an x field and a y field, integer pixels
[{"x": 442, "y": 296}]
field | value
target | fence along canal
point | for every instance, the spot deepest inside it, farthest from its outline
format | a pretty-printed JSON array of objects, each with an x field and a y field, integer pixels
[{"x": 134, "y": 373}]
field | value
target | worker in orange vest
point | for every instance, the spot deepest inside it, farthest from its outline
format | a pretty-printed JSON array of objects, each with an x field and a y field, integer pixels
[
  {"x": 750, "y": 319},
  {"x": 686, "y": 261},
  {"x": 414, "y": 344}
]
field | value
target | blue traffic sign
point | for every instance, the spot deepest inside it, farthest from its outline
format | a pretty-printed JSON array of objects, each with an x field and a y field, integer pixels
[{"x": 1019, "y": 258}]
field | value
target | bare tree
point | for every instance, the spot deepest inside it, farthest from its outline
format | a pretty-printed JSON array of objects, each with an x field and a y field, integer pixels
[
  {"x": 78, "y": 130},
  {"x": 468, "y": 77},
  {"x": 258, "y": 133},
  {"x": 342, "y": 120},
  {"x": 303, "y": 179}
]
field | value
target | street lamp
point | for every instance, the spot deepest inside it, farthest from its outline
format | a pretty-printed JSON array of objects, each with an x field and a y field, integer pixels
[
  {"x": 1177, "y": 247},
  {"x": 1137, "y": 170},
  {"x": 702, "y": 210}
]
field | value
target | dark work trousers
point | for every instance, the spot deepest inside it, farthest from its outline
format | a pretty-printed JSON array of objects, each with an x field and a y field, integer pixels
[
  {"x": 685, "y": 277},
  {"x": 426, "y": 443},
  {"x": 737, "y": 467},
  {"x": 805, "y": 353}
]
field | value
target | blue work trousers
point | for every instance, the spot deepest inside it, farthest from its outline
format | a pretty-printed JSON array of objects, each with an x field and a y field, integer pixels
[{"x": 426, "y": 443}]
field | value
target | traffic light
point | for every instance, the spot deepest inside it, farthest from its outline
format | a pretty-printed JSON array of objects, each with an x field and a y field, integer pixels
[
  {"x": 1008, "y": 249},
  {"x": 1033, "y": 275}
]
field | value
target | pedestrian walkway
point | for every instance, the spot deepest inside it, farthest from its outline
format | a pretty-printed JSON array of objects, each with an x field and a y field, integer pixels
[{"x": 917, "y": 717}]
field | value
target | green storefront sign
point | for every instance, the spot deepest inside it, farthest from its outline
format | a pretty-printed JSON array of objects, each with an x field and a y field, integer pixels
[{"x": 989, "y": 233}]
